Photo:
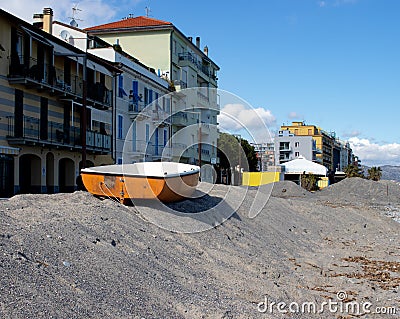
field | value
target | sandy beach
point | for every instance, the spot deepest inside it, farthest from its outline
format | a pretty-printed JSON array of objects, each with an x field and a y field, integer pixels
[{"x": 78, "y": 256}]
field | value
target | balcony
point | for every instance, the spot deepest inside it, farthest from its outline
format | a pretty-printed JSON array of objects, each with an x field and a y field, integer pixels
[
  {"x": 180, "y": 85},
  {"x": 191, "y": 58},
  {"x": 180, "y": 119},
  {"x": 139, "y": 111},
  {"x": 205, "y": 128},
  {"x": 31, "y": 132},
  {"x": 35, "y": 74},
  {"x": 285, "y": 149}
]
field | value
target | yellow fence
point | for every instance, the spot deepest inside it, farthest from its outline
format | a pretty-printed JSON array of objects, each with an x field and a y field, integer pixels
[{"x": 260, "y": 178}]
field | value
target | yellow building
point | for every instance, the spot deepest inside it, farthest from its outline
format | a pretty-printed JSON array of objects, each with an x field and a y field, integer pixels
[
  {"x": 323, "y": 139},
  {"x": 41, "y": 101}
]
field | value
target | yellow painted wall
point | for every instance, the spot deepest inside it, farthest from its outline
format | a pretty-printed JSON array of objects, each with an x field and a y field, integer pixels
[
  {"x": 323, "y": 182},
  {"x": 151, "y": 48},
  {"x": 260, "y": 178}
]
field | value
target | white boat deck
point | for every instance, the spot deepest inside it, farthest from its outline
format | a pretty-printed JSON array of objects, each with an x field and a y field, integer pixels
[{"x": 145, "y": 169}]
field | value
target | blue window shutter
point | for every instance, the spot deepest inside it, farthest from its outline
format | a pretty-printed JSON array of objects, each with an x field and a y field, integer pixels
[
  {"x": 120, "y": 128},
  {"x": 150, "y": 96},
  {"x": 165, "y": 137}
]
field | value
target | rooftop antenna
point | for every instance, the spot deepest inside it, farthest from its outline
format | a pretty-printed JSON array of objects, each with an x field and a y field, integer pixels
[
  {"x": 148, "y": 10},
  {"x": 73, "y": 22}
]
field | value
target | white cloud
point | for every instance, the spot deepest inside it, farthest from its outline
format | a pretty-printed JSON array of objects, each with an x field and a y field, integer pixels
[
  {"x": 335, "y": 3},
  {"x": 93, "y": 12},
  {"x": 295, "y": 115},
  {"x": 372, "y": 153},
  {"x": 353, "y": 133},
  {"x": 236, "y": 117}
]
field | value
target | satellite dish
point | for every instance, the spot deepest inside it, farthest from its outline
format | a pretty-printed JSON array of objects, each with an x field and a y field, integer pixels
[
  {"x": 64, "y": 34},
  {"x": 73, "y": 23}
]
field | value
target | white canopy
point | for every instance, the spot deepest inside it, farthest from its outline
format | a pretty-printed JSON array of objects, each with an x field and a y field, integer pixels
[{"x": 301, "y": 165}]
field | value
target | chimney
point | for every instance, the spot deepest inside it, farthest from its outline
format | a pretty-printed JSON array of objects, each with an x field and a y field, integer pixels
[
  {"x": 198, "y": 42},
  {"x": 38, "y": 20},
  {"x": 48, "y": 20},
  {"x": 190, "y": 39},
  {"x": 205, "y": 50}
]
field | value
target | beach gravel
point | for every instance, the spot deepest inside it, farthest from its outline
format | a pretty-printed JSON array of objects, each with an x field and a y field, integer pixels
[{"x": 78, "y": 256}]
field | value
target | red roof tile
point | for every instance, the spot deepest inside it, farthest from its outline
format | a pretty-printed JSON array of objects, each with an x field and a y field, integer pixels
[{"x": 130, "y": 23}]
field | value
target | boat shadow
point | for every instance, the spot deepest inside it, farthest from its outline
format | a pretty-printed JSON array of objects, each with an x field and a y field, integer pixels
[{"x": 203, "y": 208}]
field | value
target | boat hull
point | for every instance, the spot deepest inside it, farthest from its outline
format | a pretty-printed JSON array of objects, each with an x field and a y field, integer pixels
[{"x": 126, "y": 188}]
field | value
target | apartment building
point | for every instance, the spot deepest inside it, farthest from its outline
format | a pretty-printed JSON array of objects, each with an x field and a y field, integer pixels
[
  {"x": 163, "y": 47},
  {"x": 51, "y": 120},
  {"x": 265, "y": 153},
  {"x": 323, "y": 140},
  {"x": 333, "y": 153},
  {"x": 289, "y": 146},
  {"x": 142, "y": 113}
]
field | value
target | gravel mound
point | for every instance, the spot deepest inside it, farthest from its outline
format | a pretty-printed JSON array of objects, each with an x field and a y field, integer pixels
[
  {"x": 287, "y": 189},
  {"x": 363, "y": 191},
  {"x": 78, "y": 256}
]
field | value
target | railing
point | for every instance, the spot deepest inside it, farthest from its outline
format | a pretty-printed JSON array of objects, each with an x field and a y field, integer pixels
[
  {"x": 47, "y": 74},
  {"x": 193, "y": 59},
  {"x": 56, "y": 133},
  {"x": 202, "y": 96},
  {"x": 181, "y": 84}
]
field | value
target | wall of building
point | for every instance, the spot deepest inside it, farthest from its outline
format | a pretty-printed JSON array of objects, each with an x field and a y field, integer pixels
[{"x": 151, "y": 48}]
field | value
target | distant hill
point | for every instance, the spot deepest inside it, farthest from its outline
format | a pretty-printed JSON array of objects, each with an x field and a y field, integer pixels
[{"x": 389, "y": 172}]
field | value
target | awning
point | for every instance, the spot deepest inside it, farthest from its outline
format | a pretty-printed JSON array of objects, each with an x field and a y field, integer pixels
[
  {"x": 36, "y": 36},
  {"x": 6, "y": 150},
  {"x": 62, "y": 50}
]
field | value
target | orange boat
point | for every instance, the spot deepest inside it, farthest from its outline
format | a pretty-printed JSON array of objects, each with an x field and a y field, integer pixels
[{"x": 167, "y": 181}]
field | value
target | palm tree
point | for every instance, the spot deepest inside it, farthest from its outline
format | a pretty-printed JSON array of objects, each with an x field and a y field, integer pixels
[
  {"x": 375, "y": 173},
  {"x": 354, "y": 170}
]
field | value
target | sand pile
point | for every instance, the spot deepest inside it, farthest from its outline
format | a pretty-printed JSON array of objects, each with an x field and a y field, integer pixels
[
  {"x": 76, "y": 256},
  {"x": 362, "y": 191},
  {"x": 287, "y": 189}
]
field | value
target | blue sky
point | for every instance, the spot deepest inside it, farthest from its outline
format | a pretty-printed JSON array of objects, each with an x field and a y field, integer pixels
[{"x": 333, "y": 63}]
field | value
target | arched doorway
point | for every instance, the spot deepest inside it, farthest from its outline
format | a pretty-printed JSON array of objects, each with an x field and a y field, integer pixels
[
  {"x": 30, "y": 174},
  {"x": 6, "y": 175},
  {"x": 66, "y": 175},
  {"x": 50, "y": 173}
]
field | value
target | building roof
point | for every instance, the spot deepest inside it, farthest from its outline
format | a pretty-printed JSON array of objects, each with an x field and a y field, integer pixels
[
  {"x": 135, "y": 22},
  {"x": 301, "y": 165}
]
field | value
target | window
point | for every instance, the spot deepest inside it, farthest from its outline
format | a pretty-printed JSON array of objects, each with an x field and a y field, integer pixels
[
  {"x": 296, "y": 144},
  {"x": 174, "y": 47},
  {"x": 156, "y": 98},
  {"x": 121, "y": 91},
  {"x": 297, "y": 154},
  {"x": 120, "y": 126},
  {"x": 165, "y": 137},
  {"x": 147, "y": 133},
  {"x": 119, "y": 160},
  {"x": 309, "y": 131},
  {"x": 148, "y": 96},
  {"x": 134, "y": 136}
]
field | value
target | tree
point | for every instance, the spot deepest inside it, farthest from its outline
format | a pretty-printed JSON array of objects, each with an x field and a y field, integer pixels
[
  {"x": 229, "y": 151},
  {"x": 354, "y": 170},
  {"x": 375, "y": 173},
  {"x": 309, "y": 182}
]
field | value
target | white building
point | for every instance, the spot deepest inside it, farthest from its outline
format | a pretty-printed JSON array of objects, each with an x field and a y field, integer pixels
[
  {"x": 142, "y": 113},
  {"x": 160, "y": 45}
]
